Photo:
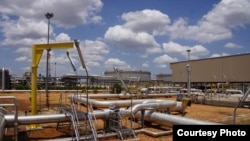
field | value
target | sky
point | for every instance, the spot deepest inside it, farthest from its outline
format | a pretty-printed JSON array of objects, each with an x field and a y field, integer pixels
[{"x": 130, "y": 35}]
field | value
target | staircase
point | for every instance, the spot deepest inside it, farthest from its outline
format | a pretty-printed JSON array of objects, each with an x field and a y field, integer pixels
[
  {"x": 81, "y": 123},
  {"x": 114, "y": 124}
]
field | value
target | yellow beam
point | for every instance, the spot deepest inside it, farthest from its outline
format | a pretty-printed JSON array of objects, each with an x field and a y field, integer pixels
[{"x": 37, "y": 51}]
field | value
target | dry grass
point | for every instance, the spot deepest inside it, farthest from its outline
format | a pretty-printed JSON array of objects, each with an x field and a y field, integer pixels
[{"x": 196, "y": 111}]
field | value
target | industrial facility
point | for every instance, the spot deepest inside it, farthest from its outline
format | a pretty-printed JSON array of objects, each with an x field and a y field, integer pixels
[
  {"x": 82, "y": 112},
  {"x": 232, "y": 70}
]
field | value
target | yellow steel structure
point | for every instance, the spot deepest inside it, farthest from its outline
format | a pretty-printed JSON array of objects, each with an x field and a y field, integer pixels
[{"x": 37, "y": 51}]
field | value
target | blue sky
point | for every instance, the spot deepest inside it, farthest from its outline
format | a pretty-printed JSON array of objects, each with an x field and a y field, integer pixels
[{"x": 128, "y": 34}]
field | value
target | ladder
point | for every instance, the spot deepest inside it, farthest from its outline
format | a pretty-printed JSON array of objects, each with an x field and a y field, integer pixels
[
  {"x": 81, "y": 123},
  {"x": 116, "y": 125}
]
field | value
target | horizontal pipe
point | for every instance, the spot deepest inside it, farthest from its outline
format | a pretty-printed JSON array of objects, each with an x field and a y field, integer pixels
[
  {"x": 170, "y": 120},
  {"x": 127, "y": 96},
  {"x": 36, "y": 119},
  {"x": 154, "y": 134},
  {"x": 2, "y": 126},
  {"x": 160, "y": 118},
  {"x": 107, "y": 103},
  {"x": 140, "y": 131}
]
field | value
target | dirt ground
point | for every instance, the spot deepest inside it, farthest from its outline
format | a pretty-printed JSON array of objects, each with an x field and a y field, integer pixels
[{"x": 48, "y": 131}]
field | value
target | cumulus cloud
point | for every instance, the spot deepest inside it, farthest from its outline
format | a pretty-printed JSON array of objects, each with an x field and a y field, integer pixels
[
  {"x": 232, "y": 45},
  {"x": 62, "y": 37},
  {"x": 68, "y": 13},
  {"x": 29, "y": 24},
  {"x": 93, "y": 52},
  {"x": 128, "y": 38},
  {"x": 23, "y": 58},
  {"x": 219, "y": 55},
  {"x": 196, "y": 51},
  {"x": 138, "y": 30},
  {"x": 145, "y": 64},
  {"x": 115, "y": 62},
  {"x": 216, "y": 25},
  {"x": 163, "y": 60},
  {"x": 146, "y": 20}
]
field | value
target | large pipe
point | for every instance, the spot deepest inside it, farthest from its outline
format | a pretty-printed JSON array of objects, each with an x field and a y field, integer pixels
[
  {"x": 127, "y": 103},
  {"x": 121, "y": 95},
  {"x": 107, "y": 103},
  {"x": 2, "y": 125},
  {"x": 150, "y": 115},
  {"x": 170, "y": 120},
  {"x": 140, "y": 131}
]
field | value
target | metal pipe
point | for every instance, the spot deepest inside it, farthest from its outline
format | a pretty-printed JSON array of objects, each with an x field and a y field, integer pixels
[
  {"x": 160, "y": 118},
  {"x": 107, "y": 103},
  {"x": 151, "y": 106},
  {"x": 128, "y": 95},
  {"x": 140, "y": 131},
  {"x": 154, "y": 134},
  {"x": 170, "y": 120},
  {"x": 127, "y": 103},
  {"x": 2, "y": 125}
]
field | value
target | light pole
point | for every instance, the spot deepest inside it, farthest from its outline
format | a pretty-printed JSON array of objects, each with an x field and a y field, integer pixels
[
  {"x": 48, "y": 16},
  {"x": 188, "y": 67},
  {"x": 55, "y": 69}
]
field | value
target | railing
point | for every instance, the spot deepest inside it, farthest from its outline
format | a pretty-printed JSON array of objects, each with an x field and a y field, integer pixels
[{"x": 14, "y": 104}]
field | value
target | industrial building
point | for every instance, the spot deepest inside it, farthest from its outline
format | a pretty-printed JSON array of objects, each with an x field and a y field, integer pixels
[{"x": 233, "y": 70}]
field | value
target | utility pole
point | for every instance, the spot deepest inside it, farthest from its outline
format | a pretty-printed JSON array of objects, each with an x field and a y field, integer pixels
[
  {"x": 48, "y": 16},
  {"x": 188, "y": 67}
]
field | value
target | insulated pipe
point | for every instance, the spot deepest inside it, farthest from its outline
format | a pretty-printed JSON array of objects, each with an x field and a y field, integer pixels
[
  {"x": 140, "y": 131},
  {"x": 170, "y": 120},
  {"x": 127, "y": 95},
  {"x": 160, "y": 118},
  {"x": 2, "y": 125},
  {"x": 36, "y": 119},
  {"x": 154, "y": 134},
  {"x": 146, "y": 106},
  {"x": 127, "y": 103},
  {"x": 107, "y": 103}
]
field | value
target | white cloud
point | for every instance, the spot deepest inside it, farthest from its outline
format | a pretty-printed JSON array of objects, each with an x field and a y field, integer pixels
[
  {"x": 128, "y": 38},
  {"x": 146, "y": 20},
  {"x": 216, "y": 24},
  {"x": 196, "y": 52},
  {"x": 93, "y": 53},
  {"x": 62, "y": 37},
  {"x": 145, "y": 64},
  {"x": 20, "y": 59},
  {"x": 219, "y": 55},
  {"x": 232, "y": 45},
  {"x": 115, "y": 62},
  {"x": 163, "y": 60},
  {"x": 24, "y": 23},
  {"x": 67, "y": 13},
  {"x": 23, "y": 31}
]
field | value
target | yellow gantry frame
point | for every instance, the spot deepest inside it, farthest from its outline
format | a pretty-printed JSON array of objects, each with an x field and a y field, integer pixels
[{"x": 37, "y": 51}]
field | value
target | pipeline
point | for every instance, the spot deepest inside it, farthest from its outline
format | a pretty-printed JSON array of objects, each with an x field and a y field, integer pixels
[
  {"x": 170, "y": 120},
  {"x": 149, "y": 115},
  {"x": 139, "y": 131},
  {"x": 2, "y": 125},
  {"x": 127, "y": 96},
  {"x": 120, "y": 103}
]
